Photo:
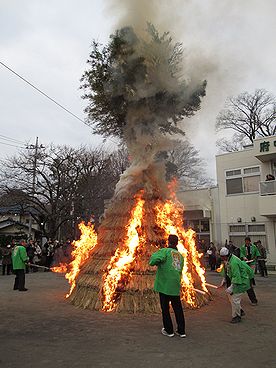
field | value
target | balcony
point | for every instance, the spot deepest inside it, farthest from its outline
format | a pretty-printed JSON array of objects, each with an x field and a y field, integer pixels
[
  {"x": 267, "y": 199},
  {"x": 267, "y": 187}
]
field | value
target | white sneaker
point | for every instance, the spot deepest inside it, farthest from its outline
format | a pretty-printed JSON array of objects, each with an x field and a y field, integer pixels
[
  {"x": 165, "y": 333},
  {"x": 180, "y": 335}
]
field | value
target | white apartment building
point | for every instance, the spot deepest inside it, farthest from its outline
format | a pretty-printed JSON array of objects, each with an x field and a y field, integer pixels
[{"x": 243, "y": 203}]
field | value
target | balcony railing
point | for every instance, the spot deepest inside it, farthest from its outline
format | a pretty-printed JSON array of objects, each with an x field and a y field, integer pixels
[{"x": 267, "y": 187}]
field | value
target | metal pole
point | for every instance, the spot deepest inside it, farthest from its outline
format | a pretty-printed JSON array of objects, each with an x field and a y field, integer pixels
[{"x": 33, "y": 186}]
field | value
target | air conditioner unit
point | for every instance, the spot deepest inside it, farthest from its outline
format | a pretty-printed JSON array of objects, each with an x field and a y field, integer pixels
[{"x": 207, "y": 213}]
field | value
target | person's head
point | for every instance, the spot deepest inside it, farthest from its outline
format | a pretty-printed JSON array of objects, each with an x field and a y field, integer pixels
[
  {"x": 172, "y": 241},
  {"x": 224, "y": 253},
  {"x": 162, "y": 243},
  {"x": 259, "y": 243},
  {"x": 230, "y": 242},
  {"x": 23, "y": 242},
  {"x": 247, "y": 240},
  {"x": 270, "y": 177}
]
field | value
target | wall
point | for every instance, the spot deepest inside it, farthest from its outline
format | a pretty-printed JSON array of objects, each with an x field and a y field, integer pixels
[{"x": 246, "y": 205}]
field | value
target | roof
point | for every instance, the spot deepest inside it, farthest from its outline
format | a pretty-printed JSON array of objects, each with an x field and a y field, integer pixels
[
  {"x": 10, "y": 222},
  {"x": 16, "y": 208}
]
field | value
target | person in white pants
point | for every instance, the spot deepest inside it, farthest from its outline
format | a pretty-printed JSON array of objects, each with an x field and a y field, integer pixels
[
  {"x": 235, "y": 300},
  {"x": 237, "y": 276}
]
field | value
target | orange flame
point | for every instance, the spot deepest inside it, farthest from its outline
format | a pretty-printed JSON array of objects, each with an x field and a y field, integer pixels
[
  {"x": 82, "y": 250},
  {"x": 220, "y": 268},
  {"x": 62, "y": 268},
  {"x": 170, "y": 219},
  {"x": 119, "y": 269}
]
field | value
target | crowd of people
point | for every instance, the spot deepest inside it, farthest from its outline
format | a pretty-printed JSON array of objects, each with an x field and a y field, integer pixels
[
  {"x": 212, "y": 259},
  {"x": 52, "y": 253}
]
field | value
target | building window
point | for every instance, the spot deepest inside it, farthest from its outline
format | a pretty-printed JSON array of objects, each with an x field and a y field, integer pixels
[
  {"x": 237, "y": 233},
  {"x": 274, "y": 168},
  {"x": 204, "y": 226},
  {"x": 234, "y": 186},
  {"x": 199, "y": 226},
  {"x": 256, "y": 228},
  {"x": 237, "y": 228},
  {"x": 244, "y": 180},
  {"x": 251, "y": 183},
  {"x": 233, "y": 172},
  {"x": 251, "y": 170}
]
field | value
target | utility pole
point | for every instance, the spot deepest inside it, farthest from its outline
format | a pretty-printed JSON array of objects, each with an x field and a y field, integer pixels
[{"x": 35, "y": 148}]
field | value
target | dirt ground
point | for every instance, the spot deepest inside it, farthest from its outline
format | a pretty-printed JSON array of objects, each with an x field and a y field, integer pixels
[{"x": 39, "y": 328}]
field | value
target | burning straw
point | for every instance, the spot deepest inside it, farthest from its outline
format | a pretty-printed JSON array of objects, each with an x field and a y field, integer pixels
[{"x": 137, "y": 91}]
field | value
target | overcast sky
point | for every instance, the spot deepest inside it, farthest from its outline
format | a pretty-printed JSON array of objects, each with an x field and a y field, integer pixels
[{"x": 49, "y": 41}]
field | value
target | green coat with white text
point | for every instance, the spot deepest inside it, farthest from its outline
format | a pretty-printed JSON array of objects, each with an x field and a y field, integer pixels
[{"x": 169, "y": 264}]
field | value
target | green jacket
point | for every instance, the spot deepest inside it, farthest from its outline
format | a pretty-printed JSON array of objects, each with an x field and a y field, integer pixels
[
  {"x": 240, "y": 274},
  {"x": 254, "y": 252},
  {"x": 19, "y": 257},
  {"x": 168, "y": 276}
]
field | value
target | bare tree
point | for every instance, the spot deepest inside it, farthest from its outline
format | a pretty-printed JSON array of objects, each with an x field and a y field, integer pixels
[
  {"x": 63, "y": 177},
  {"x": 236, "y": 143},
  {"x": 250, "y": 115},
  {"x": 185, "y": 163},
  {"x": 120, "y": 160},
  {"x": 101, "y": 173}
]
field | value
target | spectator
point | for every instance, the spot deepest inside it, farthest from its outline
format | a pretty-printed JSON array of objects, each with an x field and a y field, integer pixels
[
  {"x": 6, "y": 260},
  {"x": 44, "y": 251},
  {"x": 30, "y": 253},
  {"x": 233, "y": 249},
  {"x": 67, "y": 249},
  {"x": 226, "y": 245},
  {"x": 212, "y": 253},
  {"x": 37, "y": 256},
  {"x": 269, "y": 177},
  {"x": 59, "y": 256},
  {"x": 262, "y": 259},
  {"x": 203, "y": 246},
  {"x": 49, "y": 255}
]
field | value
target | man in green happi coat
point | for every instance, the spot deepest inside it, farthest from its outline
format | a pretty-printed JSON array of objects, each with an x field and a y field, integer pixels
[
  {"x": 249, "y": 253},
  {"x": 237, "y": 275},
  {"x": 167, "y": 283},
  {"x": 19, "y": 261}
]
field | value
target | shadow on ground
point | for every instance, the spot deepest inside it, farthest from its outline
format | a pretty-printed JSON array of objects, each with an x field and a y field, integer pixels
[{"x": 39, "y": 328}]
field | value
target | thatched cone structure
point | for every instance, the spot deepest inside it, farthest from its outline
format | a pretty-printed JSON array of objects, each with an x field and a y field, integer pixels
[{"x": 134, "y": 294}]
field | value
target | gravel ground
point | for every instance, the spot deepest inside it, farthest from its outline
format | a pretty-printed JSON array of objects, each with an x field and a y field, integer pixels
[{"x": 39, "y": 328}]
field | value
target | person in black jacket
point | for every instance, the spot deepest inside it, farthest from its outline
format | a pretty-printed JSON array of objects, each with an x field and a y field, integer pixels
[
  {"x": 7, "y": 260},
  {"x": 30, "y": 249},
  {"x": 233, "y": 249},
  {"x": 262, "y": 259}
]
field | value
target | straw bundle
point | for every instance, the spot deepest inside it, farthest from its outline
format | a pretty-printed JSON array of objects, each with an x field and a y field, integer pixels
[{"x": 138, "y": 295}]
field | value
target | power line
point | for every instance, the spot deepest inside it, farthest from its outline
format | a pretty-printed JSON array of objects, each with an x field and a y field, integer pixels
[
  {"x": 12, "y": 145},
  {"x": 4, "y": 137},
  {"x": 47, "y": 96},
  {"x": 43, "y": 93}
]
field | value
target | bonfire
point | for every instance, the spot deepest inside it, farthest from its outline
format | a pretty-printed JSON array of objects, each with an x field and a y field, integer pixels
[{"x": 137, "y": 91}]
